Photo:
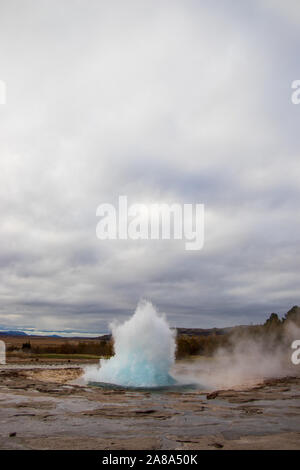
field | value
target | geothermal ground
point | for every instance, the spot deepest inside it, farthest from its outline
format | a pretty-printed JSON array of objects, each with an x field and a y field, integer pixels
[{"x": 41, "y": 407}]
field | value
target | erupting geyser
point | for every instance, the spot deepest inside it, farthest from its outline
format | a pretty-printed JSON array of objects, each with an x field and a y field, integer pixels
[{"x": 144, "y": 352}]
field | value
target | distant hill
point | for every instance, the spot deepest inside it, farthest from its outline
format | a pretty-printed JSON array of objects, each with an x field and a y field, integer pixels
[
  {"x": 202, "y": 331},
  {"x": 12, "y": 333},
  {"x": 104, "y": 337},
  {"x": 190, "y": 332},
  {"x": 209, "y": 331}
]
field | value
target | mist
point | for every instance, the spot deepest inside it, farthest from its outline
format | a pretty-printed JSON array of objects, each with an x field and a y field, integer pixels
[{"x": 244, "y": 361}]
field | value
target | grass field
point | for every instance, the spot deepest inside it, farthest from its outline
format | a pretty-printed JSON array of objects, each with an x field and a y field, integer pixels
[{"x": 66, "y": 356}]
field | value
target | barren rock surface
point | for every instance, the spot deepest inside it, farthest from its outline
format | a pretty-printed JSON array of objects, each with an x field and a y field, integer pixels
[{"x": 41, "y": 409}]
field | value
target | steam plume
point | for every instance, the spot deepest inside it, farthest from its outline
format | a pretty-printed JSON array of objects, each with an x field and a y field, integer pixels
[{"x": 144, "y": 352}]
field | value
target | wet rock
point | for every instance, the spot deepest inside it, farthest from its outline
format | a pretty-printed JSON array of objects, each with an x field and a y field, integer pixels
[
  {"x": 212, "y": 395},
  {"x": 217, "y": 445},
  {"x": 51, "y": 413}
]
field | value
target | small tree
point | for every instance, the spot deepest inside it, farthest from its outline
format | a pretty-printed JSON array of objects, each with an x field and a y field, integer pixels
[
  {"x": 293, "y": 315},
  {"x": 273, "y": 321}
]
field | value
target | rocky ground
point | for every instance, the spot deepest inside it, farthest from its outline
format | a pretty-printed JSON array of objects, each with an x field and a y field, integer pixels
[{"x": 42, "y": 408}]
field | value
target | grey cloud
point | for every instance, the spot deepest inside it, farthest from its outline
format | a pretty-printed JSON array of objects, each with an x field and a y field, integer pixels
[{"x": 188, "y": 102}]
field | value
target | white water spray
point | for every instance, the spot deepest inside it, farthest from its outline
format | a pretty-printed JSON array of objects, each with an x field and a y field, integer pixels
[{"x": 144, "y": 352}]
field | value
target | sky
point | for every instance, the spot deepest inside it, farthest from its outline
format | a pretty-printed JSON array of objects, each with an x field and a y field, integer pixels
[{"x": 164, "y": 102}]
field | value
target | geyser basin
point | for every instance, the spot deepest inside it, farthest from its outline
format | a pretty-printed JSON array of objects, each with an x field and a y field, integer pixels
[
  {"x": 177, "y": 386},
  {"x": 144, "y": 352}
]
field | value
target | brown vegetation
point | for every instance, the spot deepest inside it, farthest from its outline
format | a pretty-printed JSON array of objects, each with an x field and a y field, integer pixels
[{"x": 35, "y": 346}]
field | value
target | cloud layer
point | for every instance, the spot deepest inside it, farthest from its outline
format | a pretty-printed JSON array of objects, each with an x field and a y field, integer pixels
[{"x": 188, "y": 102}]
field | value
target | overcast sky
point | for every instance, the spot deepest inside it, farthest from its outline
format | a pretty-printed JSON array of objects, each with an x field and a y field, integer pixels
[{"x": 163, "y": 101}]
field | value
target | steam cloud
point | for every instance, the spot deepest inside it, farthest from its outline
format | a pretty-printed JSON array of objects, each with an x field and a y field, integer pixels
[
  {"x": 144, "y": 352},
  {"x": 244, "y": 362}
]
